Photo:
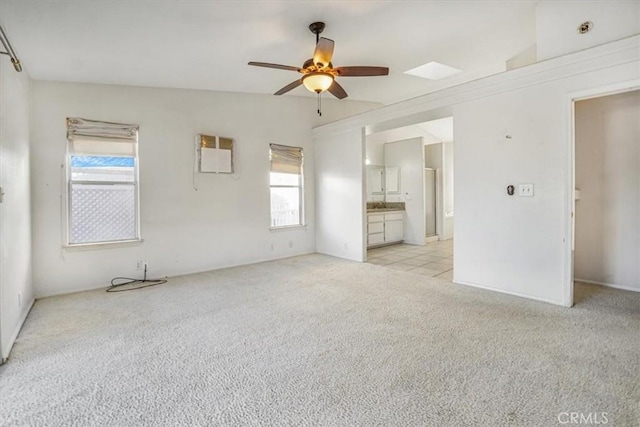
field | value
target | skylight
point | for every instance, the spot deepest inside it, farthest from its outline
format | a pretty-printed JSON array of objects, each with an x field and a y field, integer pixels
[{"x": 433, "y": 71}]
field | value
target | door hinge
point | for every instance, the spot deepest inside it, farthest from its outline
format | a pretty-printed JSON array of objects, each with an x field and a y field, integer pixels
[{"x": 1, "y": 194}]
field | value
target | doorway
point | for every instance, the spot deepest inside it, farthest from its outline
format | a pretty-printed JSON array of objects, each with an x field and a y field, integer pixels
[
  {"x": 430, "y": 203},
  {"x": 606, "y": 195},
  {"x": 409, "y": 183}
]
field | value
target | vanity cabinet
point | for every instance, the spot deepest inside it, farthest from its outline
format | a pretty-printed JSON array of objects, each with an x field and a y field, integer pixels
[
  {"x": 384, "y": 228},
  {"x": 393, "y": 227}
]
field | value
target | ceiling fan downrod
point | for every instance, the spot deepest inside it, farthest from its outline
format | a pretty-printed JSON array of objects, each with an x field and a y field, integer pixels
[{"x": 316, "y": 28}]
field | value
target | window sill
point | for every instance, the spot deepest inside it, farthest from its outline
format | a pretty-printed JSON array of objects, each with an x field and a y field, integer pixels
[
  {"x": 102, "y": 245},
  {"x": 288, "y": 227}
]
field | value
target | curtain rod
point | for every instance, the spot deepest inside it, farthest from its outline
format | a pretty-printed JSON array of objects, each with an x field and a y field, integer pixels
[{"x": 9, "y": 51}]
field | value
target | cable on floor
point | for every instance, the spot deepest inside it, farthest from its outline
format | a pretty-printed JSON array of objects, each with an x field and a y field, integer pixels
[{"x": 136, "y": 283}]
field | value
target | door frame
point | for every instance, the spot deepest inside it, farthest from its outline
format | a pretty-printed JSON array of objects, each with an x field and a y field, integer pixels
[
  {"x": 436, "y": 196},
  {"x": 570, "y": 100}
]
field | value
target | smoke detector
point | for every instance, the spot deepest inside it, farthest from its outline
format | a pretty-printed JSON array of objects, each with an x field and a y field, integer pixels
[{"x": 585, "y": 27}]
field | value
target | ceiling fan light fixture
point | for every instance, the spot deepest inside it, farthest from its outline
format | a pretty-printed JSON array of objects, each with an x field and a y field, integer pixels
[{"x": 317, "y": 82}]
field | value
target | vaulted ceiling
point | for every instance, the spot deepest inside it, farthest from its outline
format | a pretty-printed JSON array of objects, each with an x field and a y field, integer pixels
[{"x": 207, "y": 44}]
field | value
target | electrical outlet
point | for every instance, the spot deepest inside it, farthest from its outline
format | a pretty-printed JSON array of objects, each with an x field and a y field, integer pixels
[
  {"x": 290, "y": 244},
  {"x": 141, "y": 265},
  {"x": 19, "y": 299},
  {"x": 525, "y": 190}
]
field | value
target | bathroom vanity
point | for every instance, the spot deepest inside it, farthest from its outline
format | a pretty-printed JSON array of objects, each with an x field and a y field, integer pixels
[{"x": 384, "y": 226}]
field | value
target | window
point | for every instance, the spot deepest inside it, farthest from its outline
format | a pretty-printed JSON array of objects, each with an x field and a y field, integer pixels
[
  {"x": 102, "y": 185},
  {"x": 286, "y": 180}
]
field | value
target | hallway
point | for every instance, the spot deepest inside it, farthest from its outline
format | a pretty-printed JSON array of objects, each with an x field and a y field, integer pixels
[{"x": 435, "y": 259}]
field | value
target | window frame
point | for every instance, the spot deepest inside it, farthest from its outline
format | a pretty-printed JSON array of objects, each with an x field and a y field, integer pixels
[
  {"x": 67, "y": 209},
  {"x": 301, "y": 204}
]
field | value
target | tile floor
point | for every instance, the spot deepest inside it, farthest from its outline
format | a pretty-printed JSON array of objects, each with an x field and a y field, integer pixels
[{"x": 434, "y": 259}]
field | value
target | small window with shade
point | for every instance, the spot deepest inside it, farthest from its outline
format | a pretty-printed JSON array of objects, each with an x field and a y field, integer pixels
[
  {"x": 286, "y": 186},
  {"x": 102, "y": 182}
]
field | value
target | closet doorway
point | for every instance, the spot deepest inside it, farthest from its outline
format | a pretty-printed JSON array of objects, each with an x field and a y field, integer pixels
[{"x": 607, "y": 192}]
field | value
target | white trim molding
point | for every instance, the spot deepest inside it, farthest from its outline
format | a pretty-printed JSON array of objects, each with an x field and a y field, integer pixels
[
  {"x": 608, "y": 285},
  {"x": 16, "y": 332},
  {"x": 515, "y": 294}
]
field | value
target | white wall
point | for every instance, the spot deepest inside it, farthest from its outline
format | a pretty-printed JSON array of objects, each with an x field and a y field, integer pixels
[
  {"x": 447, "y": 184},
  {"x": 557, "y": 23},
  {"x": 375, "y": 152},
  {"x": 607, "y": 238},
  {"x": 509, "y": 242},
  {"x": 400, "y": 134},
  {"x": 224, "y": 223},
  {"x": 526, "y": 57},
  {"x": 433, "y": 156},
  {"x": 15, "y": 217},
  {"x": 516, "y": 245},
  {"x": 340, "y": 194},
  {"x": 409, "y": 156}
]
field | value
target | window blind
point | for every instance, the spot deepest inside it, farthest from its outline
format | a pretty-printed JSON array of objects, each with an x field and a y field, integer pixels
[
  {"x": 92, "y": 137},
  {"x": 285, "y": 159}
]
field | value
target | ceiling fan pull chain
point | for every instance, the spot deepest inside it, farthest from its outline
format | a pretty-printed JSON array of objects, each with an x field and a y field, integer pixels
[{"x": 319, "y": 105}]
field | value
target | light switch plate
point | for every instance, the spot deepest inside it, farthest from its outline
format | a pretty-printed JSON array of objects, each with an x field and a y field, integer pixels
[{"x": 525, "y": 190}]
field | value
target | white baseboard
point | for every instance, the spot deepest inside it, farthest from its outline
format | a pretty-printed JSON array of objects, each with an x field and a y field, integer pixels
[
  {"x": 41, "y": 295},
  {"x": 515, "y": 294},
  {"x": 608, "y": 285},
  {"x": 14, "y": 336}
]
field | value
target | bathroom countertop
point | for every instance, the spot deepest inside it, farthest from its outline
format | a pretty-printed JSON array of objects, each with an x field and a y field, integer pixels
[{"x": 384, "y": 210}]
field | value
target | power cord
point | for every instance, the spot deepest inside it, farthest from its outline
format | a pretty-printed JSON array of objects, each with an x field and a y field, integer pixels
[{"x": 144, "y": 283}]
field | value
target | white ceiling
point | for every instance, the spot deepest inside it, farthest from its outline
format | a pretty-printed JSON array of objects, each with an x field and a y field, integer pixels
[
  {"x": 431, "y": 132},
  {"x": 207, "y": 44},
  {"x": 442, "y": 129}
]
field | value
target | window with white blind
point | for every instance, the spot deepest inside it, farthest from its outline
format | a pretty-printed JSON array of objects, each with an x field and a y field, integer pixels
[
  {"x": 286, "y": 186},
  {"x": 102, "y": 182}
]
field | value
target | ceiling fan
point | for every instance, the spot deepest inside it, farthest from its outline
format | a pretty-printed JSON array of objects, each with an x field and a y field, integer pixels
[{"x": 319, "y": 75}]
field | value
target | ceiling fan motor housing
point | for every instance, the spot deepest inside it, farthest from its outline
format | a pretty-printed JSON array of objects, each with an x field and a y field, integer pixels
[{"x": 317, "y": 27}]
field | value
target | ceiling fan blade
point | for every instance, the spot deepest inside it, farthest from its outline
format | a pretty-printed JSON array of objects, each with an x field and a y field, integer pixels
[
  {"x": 289, "y": 87},
  {"x": 276, "y": 66},
  {"x": 323, "y": 53},
  {"x": 359, "y": 71},
  {"x": 337, "y": 90}
]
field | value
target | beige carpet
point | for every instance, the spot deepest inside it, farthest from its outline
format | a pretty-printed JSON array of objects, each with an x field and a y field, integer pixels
[{"x": 314, "y": 340}]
